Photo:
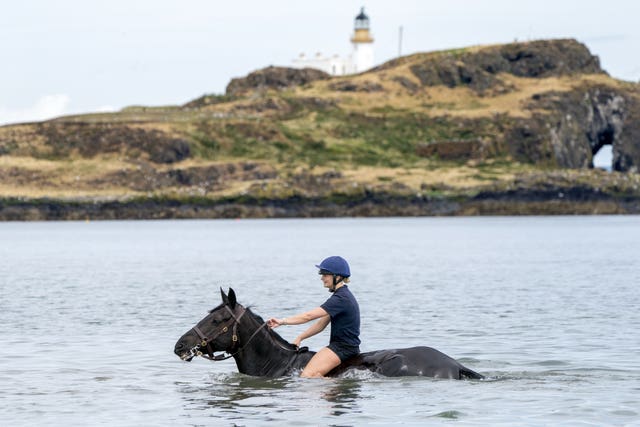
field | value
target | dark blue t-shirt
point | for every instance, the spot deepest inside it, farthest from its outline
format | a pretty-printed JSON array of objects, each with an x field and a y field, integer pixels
[{"x": 345, "y": 316}]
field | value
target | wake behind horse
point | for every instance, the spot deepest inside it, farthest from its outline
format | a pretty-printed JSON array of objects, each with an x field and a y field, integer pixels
[{"x": 259, "y": 351}]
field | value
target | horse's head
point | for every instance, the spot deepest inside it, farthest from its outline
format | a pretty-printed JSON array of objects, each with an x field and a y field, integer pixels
[{"x": 216, "y": 332}]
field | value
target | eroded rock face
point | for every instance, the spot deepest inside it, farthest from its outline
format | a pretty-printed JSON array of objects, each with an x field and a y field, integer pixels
[
  {"x": 61, "y": 140},
  {"x": 626, "y": 146},
  {"x": 273, "y": 78},
  {"x": 577, "y": 124}
]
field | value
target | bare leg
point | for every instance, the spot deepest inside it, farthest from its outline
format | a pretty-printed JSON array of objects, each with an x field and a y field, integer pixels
[{"x": 320, "y": 364}]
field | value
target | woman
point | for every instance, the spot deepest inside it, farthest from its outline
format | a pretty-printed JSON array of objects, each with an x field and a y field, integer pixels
[{"x": 341, "y": 310}]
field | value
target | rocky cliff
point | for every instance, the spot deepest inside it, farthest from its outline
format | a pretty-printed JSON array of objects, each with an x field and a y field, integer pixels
[{"x": 569, "y": 128}]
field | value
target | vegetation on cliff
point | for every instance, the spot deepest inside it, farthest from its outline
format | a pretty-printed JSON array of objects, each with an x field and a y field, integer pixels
[{"x": 497, "y": 129}]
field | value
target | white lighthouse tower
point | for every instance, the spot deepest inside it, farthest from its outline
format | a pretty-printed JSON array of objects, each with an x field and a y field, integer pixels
[{"x": 362, "y": 56}]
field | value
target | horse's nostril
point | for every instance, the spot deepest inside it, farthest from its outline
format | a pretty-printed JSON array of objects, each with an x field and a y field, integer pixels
[{"x": 179, "y": 346}]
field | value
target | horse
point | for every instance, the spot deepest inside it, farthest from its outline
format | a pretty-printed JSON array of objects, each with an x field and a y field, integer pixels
[{"x": 259, "y": 351}]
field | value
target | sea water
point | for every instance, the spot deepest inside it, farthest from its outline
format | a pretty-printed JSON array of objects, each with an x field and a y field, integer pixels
[{"x": 547, "y": 308}]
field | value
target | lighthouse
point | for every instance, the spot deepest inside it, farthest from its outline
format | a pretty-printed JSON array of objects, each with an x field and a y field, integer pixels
[{"x": 362, "y": 56}]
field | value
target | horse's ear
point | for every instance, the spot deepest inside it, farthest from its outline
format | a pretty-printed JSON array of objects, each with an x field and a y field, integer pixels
[
  {"x": 225, "y": 299},
  {"x": 232, "y": 299}
]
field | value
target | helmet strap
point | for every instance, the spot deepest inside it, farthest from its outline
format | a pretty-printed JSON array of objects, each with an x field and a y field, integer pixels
[{"x": 335, "y": 283}]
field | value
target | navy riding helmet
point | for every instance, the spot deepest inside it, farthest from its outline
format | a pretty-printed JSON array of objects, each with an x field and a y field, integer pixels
[{"x": 335, "y": 265}]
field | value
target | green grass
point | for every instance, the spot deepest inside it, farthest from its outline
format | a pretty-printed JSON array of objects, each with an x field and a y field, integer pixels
[{"x": 331, "y": 136}]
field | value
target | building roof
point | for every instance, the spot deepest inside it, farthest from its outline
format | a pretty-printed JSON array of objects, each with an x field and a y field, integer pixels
[{"x": 362, "y": 16}]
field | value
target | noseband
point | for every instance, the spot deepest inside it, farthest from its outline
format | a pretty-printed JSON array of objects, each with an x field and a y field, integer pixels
[{"x": 205, "y": 342}]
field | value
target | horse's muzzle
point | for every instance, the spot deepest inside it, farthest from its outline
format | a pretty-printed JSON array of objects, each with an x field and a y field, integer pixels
[
  {"x": 187, "y": 357},
  {"x": 185, "y": 354}
]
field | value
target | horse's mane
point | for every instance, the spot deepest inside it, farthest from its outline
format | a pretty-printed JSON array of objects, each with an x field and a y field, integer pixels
[
  {"x": 273, "y": 333},
  {"x": 260, "y": 320}
]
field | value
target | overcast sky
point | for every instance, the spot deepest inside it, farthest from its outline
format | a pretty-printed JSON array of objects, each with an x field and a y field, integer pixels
[{"x": 69, "y": 56}]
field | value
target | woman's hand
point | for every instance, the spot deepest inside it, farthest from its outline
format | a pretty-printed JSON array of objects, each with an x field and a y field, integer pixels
[
  {"x": 297, "y": 342},
  {"x": 274, "y": 323}
]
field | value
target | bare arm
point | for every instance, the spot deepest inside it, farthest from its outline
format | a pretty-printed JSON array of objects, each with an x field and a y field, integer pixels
[
  {"x": 299, "y": 319},
  {"x": 317, "y": 327}
]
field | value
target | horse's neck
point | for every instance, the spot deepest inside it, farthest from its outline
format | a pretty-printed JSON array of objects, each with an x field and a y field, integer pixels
[{"x": 262, "y": 356}]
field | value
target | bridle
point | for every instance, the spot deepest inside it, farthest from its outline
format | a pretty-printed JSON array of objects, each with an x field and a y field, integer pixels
[{"x": 205, "y": 341}]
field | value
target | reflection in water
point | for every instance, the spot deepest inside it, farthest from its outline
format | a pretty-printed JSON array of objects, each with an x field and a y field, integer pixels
[
  {"x": 228, "y": 392},
  {"x": 344, "y": 395},
  {"x": 264, "y": 399}
]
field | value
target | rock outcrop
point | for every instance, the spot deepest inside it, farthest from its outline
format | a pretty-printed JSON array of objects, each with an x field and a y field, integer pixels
[
  {"x": 273, "y": 78},
  {"x": 480, "y": 69},
  {"x": 574, "y": 125},
  {"x": 61, "y": 139}
]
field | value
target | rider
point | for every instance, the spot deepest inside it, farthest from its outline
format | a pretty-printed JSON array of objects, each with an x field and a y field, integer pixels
[{"x": 341, "y": 309}]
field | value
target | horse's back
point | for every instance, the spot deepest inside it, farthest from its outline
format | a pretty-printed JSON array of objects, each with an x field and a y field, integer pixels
[{"x": 413, "y": 361}]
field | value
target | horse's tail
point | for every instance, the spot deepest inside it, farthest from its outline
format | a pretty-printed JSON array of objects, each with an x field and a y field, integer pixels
[{"x": 466, "y": 373}]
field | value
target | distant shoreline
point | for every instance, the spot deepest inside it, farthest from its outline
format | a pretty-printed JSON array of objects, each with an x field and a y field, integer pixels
[{"x": 371, "y": 205}]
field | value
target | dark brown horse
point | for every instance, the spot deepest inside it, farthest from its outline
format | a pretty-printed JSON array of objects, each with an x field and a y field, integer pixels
[{"x": 259, "y": 351}]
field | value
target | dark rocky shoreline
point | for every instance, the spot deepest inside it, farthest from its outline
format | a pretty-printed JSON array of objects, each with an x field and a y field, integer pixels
[{"x": 574, "y": 201}]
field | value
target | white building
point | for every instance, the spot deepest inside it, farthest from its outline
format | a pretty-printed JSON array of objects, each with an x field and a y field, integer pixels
[{"x": 361, "y": 58}]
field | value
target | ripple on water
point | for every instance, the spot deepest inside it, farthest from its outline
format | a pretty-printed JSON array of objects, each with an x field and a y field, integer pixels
[
  {"x": 552, "y": 363},
  {"x": 624, "y": 413},
  {"x": 451, "y": 415}
]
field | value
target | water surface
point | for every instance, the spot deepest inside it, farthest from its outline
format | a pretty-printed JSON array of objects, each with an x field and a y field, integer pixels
[{"x": 547, "y": 308}]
